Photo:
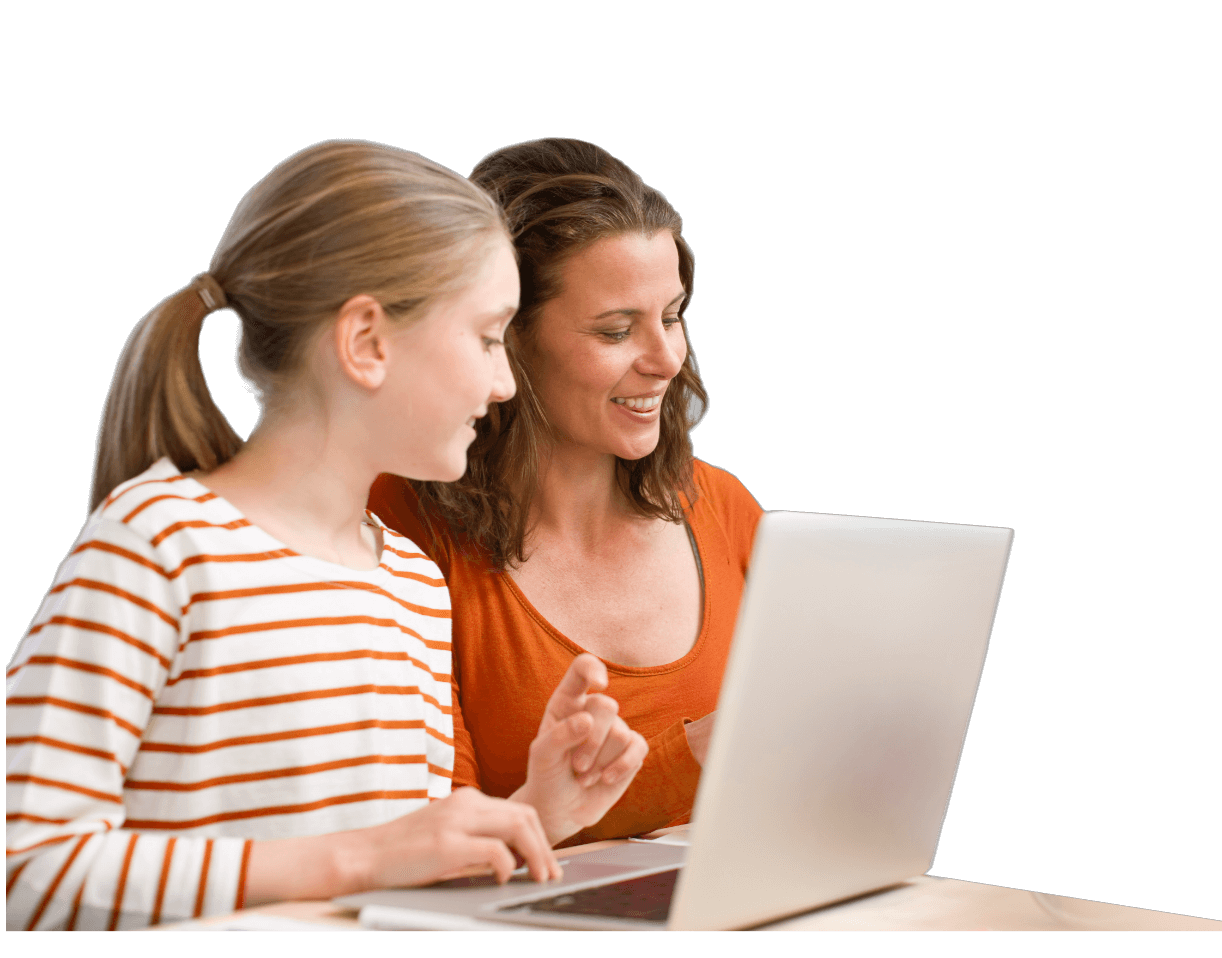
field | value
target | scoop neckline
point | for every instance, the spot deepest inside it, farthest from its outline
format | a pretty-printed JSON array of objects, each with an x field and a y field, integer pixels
[
  {"x": 294, "y": 556},
  {"x": 633, "y": 670}
]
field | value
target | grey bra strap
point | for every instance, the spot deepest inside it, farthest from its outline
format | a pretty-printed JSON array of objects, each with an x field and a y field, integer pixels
[{"x": 691, "y": 537}]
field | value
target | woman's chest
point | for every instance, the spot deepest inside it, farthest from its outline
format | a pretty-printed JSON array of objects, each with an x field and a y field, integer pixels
[{"x": 640, "y": 606}]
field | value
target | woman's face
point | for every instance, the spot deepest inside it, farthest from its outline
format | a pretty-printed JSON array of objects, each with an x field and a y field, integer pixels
[
  {"x": 447, "y": 368},
  {"x": 603, "y": 352}
]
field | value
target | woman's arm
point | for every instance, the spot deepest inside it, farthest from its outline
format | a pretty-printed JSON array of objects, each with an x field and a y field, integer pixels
[
  {"x": 584, "y": 756},
  {"x": 698, "y": 734},
  {"x": 661, "y": 793}
]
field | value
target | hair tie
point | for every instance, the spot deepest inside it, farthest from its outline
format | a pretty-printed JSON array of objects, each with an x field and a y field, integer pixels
[{"x": 210, "y": 291}]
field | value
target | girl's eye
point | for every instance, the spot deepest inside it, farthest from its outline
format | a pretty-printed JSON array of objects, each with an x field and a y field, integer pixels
[
  {"x": 616, "y": 335},
  {"x": 489, "y": 343},
  {"x": 669, "y": 321}
]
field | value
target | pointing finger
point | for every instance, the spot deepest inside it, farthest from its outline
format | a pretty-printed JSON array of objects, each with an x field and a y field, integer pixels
[{"x": 586, "y": 674}]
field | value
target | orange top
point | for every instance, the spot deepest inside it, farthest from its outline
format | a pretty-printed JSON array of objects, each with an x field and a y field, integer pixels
[{"x": 507, "y": 658}]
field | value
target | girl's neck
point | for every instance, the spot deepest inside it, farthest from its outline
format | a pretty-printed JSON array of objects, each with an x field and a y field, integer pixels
[{"x": 299, "y": 483}]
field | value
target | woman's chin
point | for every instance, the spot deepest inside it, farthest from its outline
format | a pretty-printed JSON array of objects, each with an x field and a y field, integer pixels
[{"x": 631, "y": 452}]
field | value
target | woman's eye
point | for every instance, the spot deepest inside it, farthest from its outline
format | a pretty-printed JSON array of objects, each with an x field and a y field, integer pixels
[
  {"x": 619, "y": 335},
  {"x": 489, "y": 343}
]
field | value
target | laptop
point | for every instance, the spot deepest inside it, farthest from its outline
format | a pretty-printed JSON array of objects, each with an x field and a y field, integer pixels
[{"x": 841, "y": 718}]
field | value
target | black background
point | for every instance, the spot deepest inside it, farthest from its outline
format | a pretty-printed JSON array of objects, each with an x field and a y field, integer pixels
[{"x": 895, "y": 315}]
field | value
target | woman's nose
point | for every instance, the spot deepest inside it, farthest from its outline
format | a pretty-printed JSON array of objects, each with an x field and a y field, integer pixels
[
  {"x": 503, "y": 386},
  {"x": 664, "y": 350}
]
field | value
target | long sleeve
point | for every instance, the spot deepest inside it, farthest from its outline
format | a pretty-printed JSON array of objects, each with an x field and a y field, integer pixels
[{"x": 80, "y": 692}]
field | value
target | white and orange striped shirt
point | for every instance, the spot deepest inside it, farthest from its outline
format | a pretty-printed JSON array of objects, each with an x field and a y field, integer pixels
[{"x": 191, "y": 684}]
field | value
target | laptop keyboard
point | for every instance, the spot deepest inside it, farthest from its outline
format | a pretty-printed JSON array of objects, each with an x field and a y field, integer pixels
[{"x": 642, "y": 899}]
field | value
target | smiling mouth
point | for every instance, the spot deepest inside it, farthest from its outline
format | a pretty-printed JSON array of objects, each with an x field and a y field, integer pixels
[{"x": 639, "y": 404}]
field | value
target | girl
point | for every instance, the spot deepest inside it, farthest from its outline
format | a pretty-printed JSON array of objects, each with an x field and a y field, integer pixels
[{"x": 237, "y": 689}]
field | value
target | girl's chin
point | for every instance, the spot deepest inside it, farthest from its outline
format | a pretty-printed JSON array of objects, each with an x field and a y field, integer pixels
[{"x": 448, "y": 469}]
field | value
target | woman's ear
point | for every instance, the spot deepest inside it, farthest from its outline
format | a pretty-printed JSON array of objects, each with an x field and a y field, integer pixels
[{"x": 361, "y": 343}]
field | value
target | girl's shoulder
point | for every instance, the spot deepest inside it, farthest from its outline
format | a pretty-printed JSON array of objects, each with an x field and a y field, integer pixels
[
  {"x": 403, "y": 557},
  {"x": 162, "y": 496},
  {"x": 395, "y": 504}
]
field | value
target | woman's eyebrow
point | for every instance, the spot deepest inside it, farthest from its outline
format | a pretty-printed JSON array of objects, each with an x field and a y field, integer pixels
[{"x": 632, "y": 311}]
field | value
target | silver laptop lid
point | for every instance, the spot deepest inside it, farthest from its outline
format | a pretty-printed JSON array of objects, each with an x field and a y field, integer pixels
[{"x": 842, "y": 715}]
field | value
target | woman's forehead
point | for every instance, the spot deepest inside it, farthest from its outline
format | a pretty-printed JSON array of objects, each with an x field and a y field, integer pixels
[{"x": 628, "y": 265}]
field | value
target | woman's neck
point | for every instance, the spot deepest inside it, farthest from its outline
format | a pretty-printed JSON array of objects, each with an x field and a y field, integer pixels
[{"x": 579, "y": 497}]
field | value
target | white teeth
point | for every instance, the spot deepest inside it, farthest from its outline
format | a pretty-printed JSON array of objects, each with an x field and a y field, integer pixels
[{"x": 642, "y": 403}]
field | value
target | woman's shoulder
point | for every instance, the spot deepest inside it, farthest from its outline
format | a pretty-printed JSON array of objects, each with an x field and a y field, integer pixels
[
  {"x": 722, "y": 490},
  {"x": 725, "y": 508}
]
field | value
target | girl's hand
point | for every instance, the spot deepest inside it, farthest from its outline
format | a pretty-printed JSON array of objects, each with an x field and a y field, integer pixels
[
  {"x": 466, "y": 830},
  {"x": 584, "y": 755}
]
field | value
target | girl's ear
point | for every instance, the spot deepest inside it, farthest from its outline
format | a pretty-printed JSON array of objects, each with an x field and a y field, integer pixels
[{"x": 361, "y": 346}]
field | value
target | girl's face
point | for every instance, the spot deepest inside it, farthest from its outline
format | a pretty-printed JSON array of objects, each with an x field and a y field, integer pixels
[
  {"x": 603, "y": 352},
  {"x": 444, "y": 371}
]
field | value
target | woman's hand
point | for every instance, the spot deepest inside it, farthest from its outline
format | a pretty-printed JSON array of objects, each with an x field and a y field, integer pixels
[
  {"x": 583, "y": 757},
  {"x": 699, "y": 733},
  {"x": 465, "y": 830}
]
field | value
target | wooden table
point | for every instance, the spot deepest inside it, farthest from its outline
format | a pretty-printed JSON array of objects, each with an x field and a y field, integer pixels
[{"x": 921, "y": 904}]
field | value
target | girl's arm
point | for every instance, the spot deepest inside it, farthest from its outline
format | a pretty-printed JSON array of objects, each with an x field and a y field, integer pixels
[
  {"x": 81, "y": 690},
  {"x": 467, "y": 830}
]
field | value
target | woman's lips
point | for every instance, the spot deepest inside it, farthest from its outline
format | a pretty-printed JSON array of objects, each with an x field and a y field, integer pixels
[{"x": 639, "y": 414}]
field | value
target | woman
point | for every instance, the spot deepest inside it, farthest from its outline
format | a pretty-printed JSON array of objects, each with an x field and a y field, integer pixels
[
  {"x": 238, "y": 688},
  {"x": 583, "y": 523}
]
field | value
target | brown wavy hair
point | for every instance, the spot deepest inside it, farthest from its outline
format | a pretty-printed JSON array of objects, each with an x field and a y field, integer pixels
[
  {"x": 338, "y": 219},
  {"x": 559, "y": 197}
]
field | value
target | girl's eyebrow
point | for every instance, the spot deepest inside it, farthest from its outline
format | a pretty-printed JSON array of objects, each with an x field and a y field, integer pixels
[
  {"x": 509, "y": 309},
  {"x": 628, "y": 311}
]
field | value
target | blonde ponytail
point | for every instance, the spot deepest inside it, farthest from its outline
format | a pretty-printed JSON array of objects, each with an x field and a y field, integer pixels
[
  {"x": 336, "y": 220},
  {"x": 159, "y": 404}
]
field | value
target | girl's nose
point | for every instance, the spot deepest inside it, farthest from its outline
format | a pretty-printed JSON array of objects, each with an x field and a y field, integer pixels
[{"x": 503, "y": 386}]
